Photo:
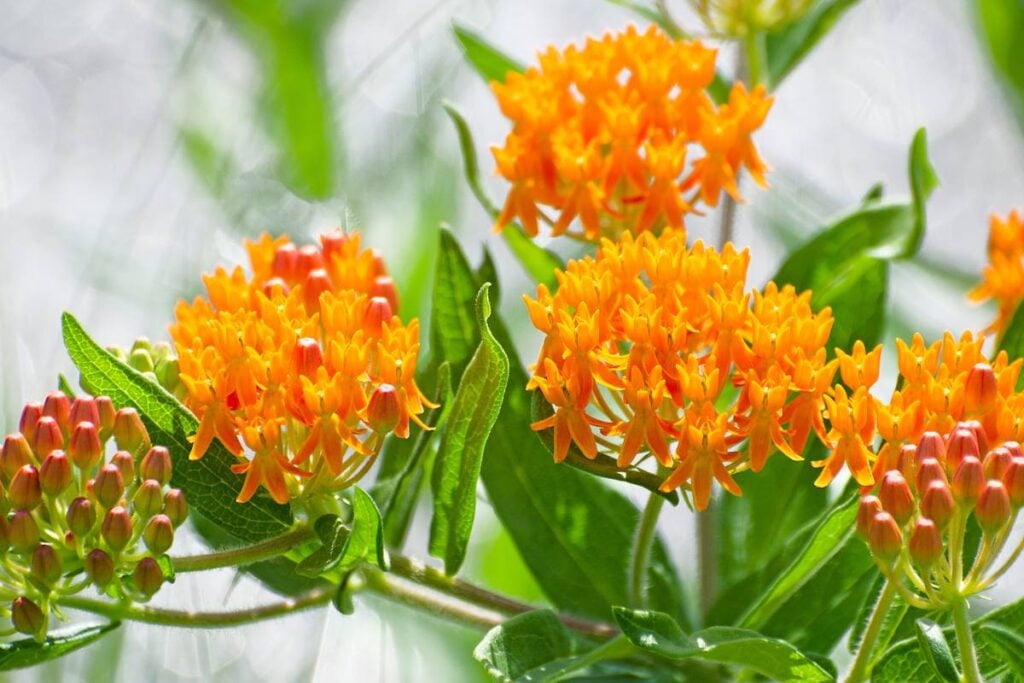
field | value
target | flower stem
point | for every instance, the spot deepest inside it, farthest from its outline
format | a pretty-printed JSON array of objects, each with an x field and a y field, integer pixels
[
  {"x": 754, "y": 52},
  {"x": 861, "y": 668},
  {"x": 245, "y": 554},
  {"x": 643, "y": 543},
  {"x": 965, "y": 643}
]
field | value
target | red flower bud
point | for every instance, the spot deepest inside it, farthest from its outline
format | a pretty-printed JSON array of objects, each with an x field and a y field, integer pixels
[
  {"x": 47, "y": 437},
  {"x": 380, "y": 266},
  {"x": 99, "y": 567},
  {"x": 124, "y": 461},
  {"x": 30, "y": 415},
  {"x": 996, "y": 462},
  {"x": 869, "y": 507},
  {"x": 159, "y": 534},
  {"x": 925, "y": 543},
  {"x": 310, "y": 259},
  {"x": 24, "y": 492},
  {"x": 58, "y": 406},
  {"x": 286, "y": 262},
  {"x": 84, "y": 410},
  {"x": 962, "y": 442},
  {"x": 149, "y": 499},
  {"x": 148, "y": 576},
  {"x": 117, "y": 528},
  {"x": 15, "y": 455},
  {"x": 384, "y": 286},
  {"x": 156, "y": 464},
  {"x": 968, "y": 481},
  {"x": 275, "y": 286},
  {"x": 81, "y": 517},
  {"x": 978, "y": 430},
  {"x": 28, "y": 618},
  {"x": 55, "y": 473},
  {"x": 107, "y": 415},
  {"x": 23, "y": 532},
  {"x": 129, "y": 432},
  {"x": 928, "y": 471},
  {"x": 333, "y": 243},
  {"x": 1014, "y": 448},
  {"x": 896, "y": 497},
  {"x": 907, "y": 461},
  {"x": 937, "y": 503},
  {"x": 378, "y": 312},
  {"x": 308, "y": 356},
  {"x": 109, "y": 486},
  {"x": 315, "y": 284},
  {"x": 1014, "y": 480},
  {"x": 85, "y": 448},
  {"x": 931, "y": 445},
  {"x": 175, "y": 506},
  {"x": 45, "y": 566},
  {"x": 993, "y": 508},
  {"x": 383, "y": 410},
  {"x": 980, "y": 390},
  {"x": 884, "y": 537}
]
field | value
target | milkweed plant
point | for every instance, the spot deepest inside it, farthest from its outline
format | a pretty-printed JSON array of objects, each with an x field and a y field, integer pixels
[{"x": 849, "y": 525}]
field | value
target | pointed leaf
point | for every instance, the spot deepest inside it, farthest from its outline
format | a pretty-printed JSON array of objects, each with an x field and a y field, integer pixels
[
  {"x": 19, "y": 654},
  {"x": 334, "y": 535},
  {"x": 935, "y": 649},
  {"x": 366, "y": 540},
  {"x": 523, "y": 643},
  {"x": 491, "y": 63},
  {"x": 1007, "y": 642},
  {"x": 786, "y": 47}
]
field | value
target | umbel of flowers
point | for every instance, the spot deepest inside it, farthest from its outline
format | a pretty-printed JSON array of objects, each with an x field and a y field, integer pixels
[
  {"x": 78, "y": 511},
  {"x": 622, "y": 135},
  {"x": 654, "y": 347},
  {"x": 300, "y": 367}
]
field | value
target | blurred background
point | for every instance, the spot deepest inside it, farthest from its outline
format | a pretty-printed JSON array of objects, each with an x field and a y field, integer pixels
[{"x": 141, "y": 142}]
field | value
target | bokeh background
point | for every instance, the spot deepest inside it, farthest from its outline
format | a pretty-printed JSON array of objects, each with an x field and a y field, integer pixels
[{"x": 141, "y": 142}]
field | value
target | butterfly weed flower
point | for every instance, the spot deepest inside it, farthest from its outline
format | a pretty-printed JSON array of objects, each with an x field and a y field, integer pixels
[
  {"x": 621, "y": 134},
  {"x": 1002, "y": 280},
  {"x": 656, "y": 348},
  {"x": 300, "y": 367},
  {"x": 70, "y": 513}
]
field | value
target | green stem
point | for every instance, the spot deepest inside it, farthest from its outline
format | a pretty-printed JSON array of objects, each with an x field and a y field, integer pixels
[
  {"x": 245, "y": 554},
  {"x": 754, "y": 52},
  {"x": 643, "y": 543},
  {"x": 861, "y": 668},
  {"x": 707, "y": 575},
  {"x": 965, "y": 643}
]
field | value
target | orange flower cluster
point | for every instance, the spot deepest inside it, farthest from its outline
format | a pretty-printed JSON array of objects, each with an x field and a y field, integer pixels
[
  {"x": 302, "y": 368},
  {"x": 656, "y": 347},
  {"x": 1003, "y": 277},
  {"x": 602, "y": 134},
  {"x": 940, "y": 385}
]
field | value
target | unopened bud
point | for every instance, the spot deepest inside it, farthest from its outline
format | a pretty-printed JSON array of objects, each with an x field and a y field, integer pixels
[
  {"x": 81, "y": 517},
  {"x": 333, "y": 243},
  {"x": 884, "y": 537},
  {"x": 156, "y": 464},
  {"x": 380, "y": 266},
  {"x": 27, "y": 617},
  {"x": 384, "y": 286},
  {"x": 930, "y": 470},
  {"x": 85, "y": 448},
  {"x": 175, "y": 506},
  {"x": 141, "y": 360},
  {"x": 993, "y": 508},
  {"x": 978, "y": 430},
  {"x": 109, "y": 486},
  {"x": 869, "y": 507},
  {"x": 58, "y": 406},
  {"x": 117, "y": 528},
  {"x": 30, "y": 415},
  {"x": 308, "y": 356},
  {"x": 962, "y": 443},
  {"x": 47, "y": 437},
  {"x": 315, "y": 284},
  {"x": 896, "y": 497},
  {"x": 99, "y": 567},
  {"x": 124, "y": 461},
  {"x": 16, "y": 454},
  {"x": 980, "y": 390},
  {"x": 968, "y": 481},
  {"x": 84, "y": 410},
  {"x": 286, "y": 262},
  {"x": 55, "y": 473},
  {"x": 378, "y": 312},
  {"x": 23, "y": 532},
  {"x": 1014, "y": 448},
  {"x": 925, "y": 543},
  {"x": 129, "y": 432},
  {"x": 310, "y": 259},
  {"x": 149, "y": 499},
  {"x": 24, "y": 492},
  {"x": 937, "y": 503},
  {"x": 159, "y": 534},
  {"x": 907, "y": 461},
  {"x": 931, "y": 445},
  {"x": 1014, "y": 480},
  {"x": 168, "y": 374},
  {"x": 383, "y": 411},
  {"x": 275, "y": 286},
  {"x": 148, "y": 576},
  {"x": 996, "y": 462},
  {"x": 45, "y": 566},
  {"x": 107, "y": 414}
]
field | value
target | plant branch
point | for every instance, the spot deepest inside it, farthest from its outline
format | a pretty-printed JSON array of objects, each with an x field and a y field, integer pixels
[
  {"x": 643, "y": 543},
  {"x": 861, "y": 668},
  {"x": 244, "y": 555},
  {"x": 965, "y": 643}
]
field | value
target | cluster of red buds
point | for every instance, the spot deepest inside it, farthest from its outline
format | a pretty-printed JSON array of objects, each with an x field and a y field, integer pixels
[
  {"x": 74, "y": 516},
  {"x": 917, "y": 524}
]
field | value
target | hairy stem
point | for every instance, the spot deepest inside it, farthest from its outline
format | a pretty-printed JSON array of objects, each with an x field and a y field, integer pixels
[
  {"x": 965, "y": 643},
  {"x": 861, "y": 668},
  {"x": 246, "y": 554},
  {"x": 643, "y": 543}
]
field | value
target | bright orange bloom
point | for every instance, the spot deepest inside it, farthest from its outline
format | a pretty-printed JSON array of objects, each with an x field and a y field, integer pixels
[
  {"x": 1003, "y": 278},
  {"x": 657, "y": 348},
  {"x": 280, "y": 365},
  {"x": 621, "y": 134}
]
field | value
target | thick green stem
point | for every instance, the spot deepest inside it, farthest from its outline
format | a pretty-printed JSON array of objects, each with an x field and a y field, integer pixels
[
  {"x": 965, "y": 643},
  {"x": 756, "y": 58},
  {"x": 707, "y": 565},
  {"x": 643, "y": 544},
  {"x": 861, "y": 668},
  {"x": 246, "y": 554}
]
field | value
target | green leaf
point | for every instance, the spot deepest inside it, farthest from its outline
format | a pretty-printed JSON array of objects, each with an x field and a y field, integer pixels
[
  {"x": 366, "y": 539},
  {"x": 787, "y": 46},
  {"x": 1012, "y": 340},
  {"x": 457, "y": 469},
  {"x": 771, "y": 657},
  {"x": 1008, "y": 643},
  {"x": 491, "y": 63},
  {"x": 19, "y": 654},
  {"x": 334, "y": 535},
  {"x": 65, "y": 386},
  {"x": 453, "y": 331},
  {"x": 523, "y": 643},
  {"x": 935, "y": 650},
  {"x": 1002, "y": 25},
  {"x": 210, "y": 484}
]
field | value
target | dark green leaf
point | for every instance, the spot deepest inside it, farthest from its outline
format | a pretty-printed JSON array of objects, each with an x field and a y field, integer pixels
[
  {"x": 935, "y": 650},
  {"x": 488, "y": 61},
  {"x": 343, "y": 597},
  {"x": 334, "y": 535},
  {"x": 523, "y": 643},
  {"x": 1008, "y": 643},
  {"x": 786, "y": 47},
  {"x": 1002, "y": 25},
  {"x": 457, "y": 469},
  {"x": 656, "y": 632},
  {"x": 19, "y": 654},
  {"x": 211, "y": 485},
  {"x": 453, "y": 331},
  {"x": 488, "y": 272},
  {"x": 366, "y": 540}
]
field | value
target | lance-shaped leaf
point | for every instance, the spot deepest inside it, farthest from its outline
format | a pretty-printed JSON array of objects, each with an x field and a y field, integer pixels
[
  {"x": 491, "y": 63},
  {"x": 787, "y": 47},
  {"x": 522, "y": 643},
  {"x": 457, "y": 469},
  {"x": 1002, "y": 24},
  {"x": 935, "y": 649},
  {"x": 19, "y": 654}
]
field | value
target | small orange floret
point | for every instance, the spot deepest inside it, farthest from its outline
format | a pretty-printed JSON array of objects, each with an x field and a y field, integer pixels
[{"x": 1002, "y": 280}]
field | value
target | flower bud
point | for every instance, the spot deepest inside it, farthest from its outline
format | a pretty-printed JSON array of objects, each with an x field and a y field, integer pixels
[
  {"x": 884, "y": 537},
  {"x": 81, "y": 517},
  {"x": 1014, "y": 480},
  {"x": 275, "y": 286},
  {"x": 315, "y": 284},
  {"x": 84, "y": 410},
  {"x": 141, "y": 360},
  {"x": 168, "y": 374},
  {"x": 937, "y": 503},
  {"x": 149, "y": 499},
  {"x": 978, "y": 430},
  {"x": 15, "y": 455},
  {"x": 159, "y": 534},
  {"x": 99, "y": 567},
  {"x": 109, "y": 486},
  {"x": 156, "y": 464},
  {"x": 117, "y": 528},
  {"x": 896, "y": 497},
  {"x": 107, "y": 415},
  {"x": 380, "y": 266},
  {"x": 24, "y": 492},
  {"x": 980, "y": 390},
  {"x": 308, "y": 356},
  {"x": 23, "y": 532},
  {"x": 28, "y": 618},
  {"x": 383, "y": 410},
  {"x": 30, "y": 415},
  {"x": 928, "y": 471},
  {"x": 993, "y": 509},
  {"x": 129, "y": 432},
  {"x": 378, "y": 312},
  {"x": 286, "y": 262},
  {"x": 148, "y": 576},
  {"x": 1014, "y": 448},
  {"x": 925, "y": 543},
  {"x": 962, "y": 443},
  {"x": 869, "y": 507},
  {"x": 931, "y": 445},
  {"x": 85, "y": 448},
  {"x": 996, "y": 462},
  {"x": 907, "y": 461},
  {"x": 310, "y": 259},
  {"x": 58, "y": 406},
  {"x": 55, "y": 473},
  {"x": 47, "y": 437},
  {"x": 384, "y": 286},
  {"x": 333, "y": 243},
  {"x": 175, "y": 507},
  {"x": 45, "y": 566},
  {"x": 124, "y": 462},
  {"x": 968, "y": 481}
]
